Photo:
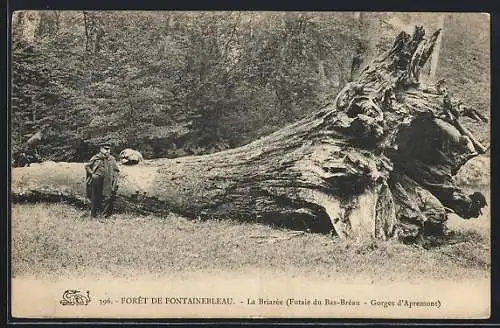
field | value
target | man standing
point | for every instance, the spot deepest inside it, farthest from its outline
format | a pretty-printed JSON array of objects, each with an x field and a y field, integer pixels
[{"x": 102, "y": 174}]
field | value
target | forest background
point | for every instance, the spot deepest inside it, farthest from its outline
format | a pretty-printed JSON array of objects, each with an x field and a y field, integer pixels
[{"x": 173, "y": 84}]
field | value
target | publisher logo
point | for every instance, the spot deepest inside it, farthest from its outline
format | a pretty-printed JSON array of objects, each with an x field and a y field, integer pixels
[{"x": 75, "y": 297}]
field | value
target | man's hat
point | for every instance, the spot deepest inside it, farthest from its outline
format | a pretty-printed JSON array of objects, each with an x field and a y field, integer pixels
[{"x": 106, "y": 145}]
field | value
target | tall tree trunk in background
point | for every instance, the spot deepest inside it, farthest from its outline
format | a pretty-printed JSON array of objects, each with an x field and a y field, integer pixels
[
  {"x": 367, "y": 46},
  {"x": 321, "y": 69},
  {"x": 25, "y": 25},
  {"x": 358, "y": 56},
  {"x": 357, "y": 61},
  {"x": 437, "y": 48},
  {"x": 17, "y": 24},
  {"x": 322, "y": 77},
  {"x": 377, "y": 162},
  {"x": 57, "y": 16}
]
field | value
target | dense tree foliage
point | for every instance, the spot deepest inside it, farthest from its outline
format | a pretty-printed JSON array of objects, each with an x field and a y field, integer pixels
[{"x": 176, "y": 83}]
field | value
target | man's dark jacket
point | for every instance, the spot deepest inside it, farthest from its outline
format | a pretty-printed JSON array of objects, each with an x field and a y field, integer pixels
[{"x": 104, "y": 166}]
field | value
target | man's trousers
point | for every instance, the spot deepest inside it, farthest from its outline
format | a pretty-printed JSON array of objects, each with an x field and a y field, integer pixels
[{"x": 100, "y": 204}]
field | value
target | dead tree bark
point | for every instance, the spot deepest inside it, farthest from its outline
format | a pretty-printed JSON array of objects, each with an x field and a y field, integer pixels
[{"x": 379, "y": 162}]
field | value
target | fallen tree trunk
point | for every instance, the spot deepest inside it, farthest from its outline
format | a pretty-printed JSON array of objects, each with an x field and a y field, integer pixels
[{"x": 379, "y": 161}]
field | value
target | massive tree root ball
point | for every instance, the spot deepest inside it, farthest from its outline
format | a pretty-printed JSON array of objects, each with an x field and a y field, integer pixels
[{"x": 378, "y": 161}]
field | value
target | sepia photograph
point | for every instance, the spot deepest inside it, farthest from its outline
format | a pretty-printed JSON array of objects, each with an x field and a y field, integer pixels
[{"x": 250, "y": 164}]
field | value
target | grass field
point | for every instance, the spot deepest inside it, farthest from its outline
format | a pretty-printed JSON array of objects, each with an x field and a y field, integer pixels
[{"x": 56, "y": 240}]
